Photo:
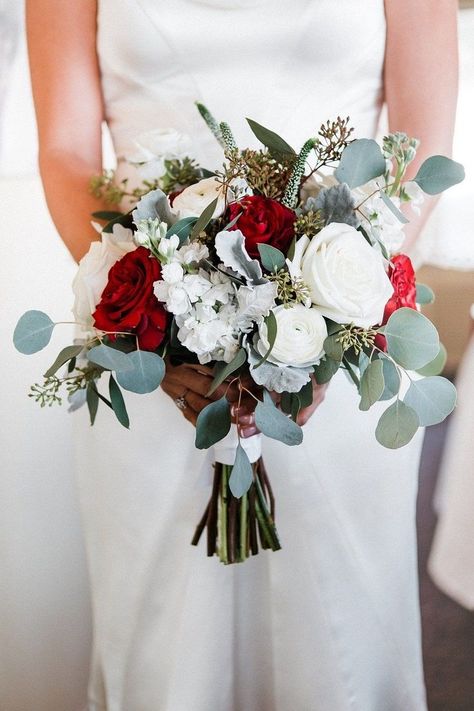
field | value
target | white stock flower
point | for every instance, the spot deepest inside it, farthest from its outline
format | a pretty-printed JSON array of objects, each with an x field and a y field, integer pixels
[
  {"x": 168, "y": 247},
  {"x": 299, "y": 338},
  {"x": 172, "y": 273},
  {"x": 384, "y": 224},
  {"x": 192, "y": 201},
  {"x": 156, "y": 146},
  {"x": 416, "y": 195},
  {"x": 192, "y": 253},
  {"x": 91, "y": 278},
  {"x": 254, "y": 304},
  {"x": 346, "y": 276},
  {"x": 150, "y": 232}
]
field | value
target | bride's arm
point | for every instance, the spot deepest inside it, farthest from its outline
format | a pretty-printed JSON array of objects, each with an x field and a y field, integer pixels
[
  {"x": 69, "y": 110},
  {"x": 421, "y": 80}
]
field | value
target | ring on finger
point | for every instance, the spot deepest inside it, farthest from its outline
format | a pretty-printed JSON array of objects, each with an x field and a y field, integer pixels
[{"x": 181, "y": 402}]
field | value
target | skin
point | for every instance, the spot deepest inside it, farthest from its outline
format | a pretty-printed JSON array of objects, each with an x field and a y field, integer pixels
[{"x": 420, "y": 76}]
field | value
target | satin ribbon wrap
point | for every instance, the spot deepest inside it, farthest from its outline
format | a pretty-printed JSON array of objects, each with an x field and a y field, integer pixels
[{"x": 224, "y": 451}]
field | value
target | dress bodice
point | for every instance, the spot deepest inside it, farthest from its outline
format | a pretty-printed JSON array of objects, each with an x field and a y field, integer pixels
[{"x": 289, "y": 66}]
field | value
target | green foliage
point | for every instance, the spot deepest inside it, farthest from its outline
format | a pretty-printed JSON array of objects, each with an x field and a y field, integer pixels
[
  {"x": 325, "y": 370},
  {"x": 271, "y": 258},
  {"x": 32, "y": 332},
  {"x": 424, "y": 295},
  {"x": 397, "y": 425},
  {"x": 278, "y": 148},
  {"x": 241, "y": 477},
  {"x": 412, "y": 340},
  {"x": 436, "y": 366},
  {"x": 438, "y": 173},
  {"x": 223, "y": 370},
  {"x": 272, "y": 327},
  {"x": 361, "y": 161},
  {"x": 273, "y": 423},
  {"x": 109, "y": 358},
  {"x": 204, "y": 218},
  {"x": 432, "y": 398},
  {"x": 290, "y": 198},
  {"x": 211, "y": 122},
  {"x": 391, "y": 378},
  {"x": 92, "y": 399},
  {"x": 393, "y": 208},
  {"x": 213, "y": 423},
  {"x": 182, "y": 228},
  {"x": 67, "y": 354},
  {"x": 146, "y": 372},
  {"x": 372, "y": 384},
  {"x": 118, "y": 403}
]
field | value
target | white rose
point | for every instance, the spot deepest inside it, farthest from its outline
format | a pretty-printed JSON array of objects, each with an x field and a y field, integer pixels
[
  {"x": 91, "y": 278},
  {"x": 300, "y": 336},
  {"x": 156, "y": 146},
  {"x": 346, "y": 276},
  {"x": 194, "y": 199}
]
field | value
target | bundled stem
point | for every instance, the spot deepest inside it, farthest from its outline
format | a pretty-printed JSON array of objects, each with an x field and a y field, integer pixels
[{"x": 234, "y": 526}]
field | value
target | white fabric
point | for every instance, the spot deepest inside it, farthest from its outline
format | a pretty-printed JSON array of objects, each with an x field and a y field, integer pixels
[
  {"x": 451, "y": 562},
  {"x": 331, "y": 622},
  {"x": 224, "y": 451}
]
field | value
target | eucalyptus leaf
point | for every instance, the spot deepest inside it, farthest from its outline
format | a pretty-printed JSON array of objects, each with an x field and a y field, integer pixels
[
  {"x": 271, "y": 140},
  {"x": 33, "y": 332},
  {"x": 182, "y": 228},
  {"x": 125, "y": 220},
  {"x": 305, "y": 395},
  {"x": 432, "y": 398},
  {"x": 213, "y": 423},
  {"x": 393, "y": 208},
  {"x": 223, "y": 370},
  {"x": 391, "y": 378},
  {"x": 241, "y": 476},
  {"x": 107, "y": 214},
  {"x": 272, "y": 259},
  {"x": 333, "y": 347},
  {"x": 438, "y": 173},
  {"x": 146, "y": 372},
  {"x": 92, "y": 399},
  {"x": 109, "y": 358},
  {"x": 364, "y": 362},
  {"x": 118, "y": 403},
  {"x": 272, "y": 328},
  {"x": 371, "y": 385},
  {"x": 361, "y": 161},
  {"x": 325, "y": 370},
  {"x": 397, "y": 425},
  {"x": 436, "y": 366},
  {"x": 412, "y": 340},
  {"x": 67, "y": 353},
  {"x": 273, "y": 423},
  {"x": 424, "y": 295},
  {"x": 204, "y": 219}
]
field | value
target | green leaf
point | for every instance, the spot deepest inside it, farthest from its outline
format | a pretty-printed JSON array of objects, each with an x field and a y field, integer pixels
[
  {"x": 272, "y": 259},
  {"x": 393, "y": 208},
  {"x": 397, "y": 425},
  {"x": 122, "y": 219},
  {"x": 271, "y": 140},
  {"x": 107, "y": 214},
  {"x": 67, "y": 353},
  {"x": 118, "y": 403},
  {"x": 182, "y": 228},
  {"x": 364, "y": 362},
  {"x": 213, "y": 423},
  {"x": 412, "y": 340},
  {"x": 271, "y": 324},
  {"x": 371, "y": 385},
  {"x": 361, "y": 161},
  {"x": 438, "y": 173},
  {"x": 92, "y": 399},
  {"x": 241, "y": 477},
  {"x": 204, "y": 218},
  {"x": 436, "y": 366},
  {"x": 333, "y": 347},
  {"x": 305, "y": 395},
  {"x": 32, "y": 332},
  {"x": 433, "y": 399},
  {"x": 223, "y": 370},
  {"x": 273, "y": 423},
  {"x": 109, "y": 358},
  {"x": 146, "y": 373},
  {"x": 325, "y": 370},
  {"x": 391, "y": 378},
  {"x": 424, "y": 295}
]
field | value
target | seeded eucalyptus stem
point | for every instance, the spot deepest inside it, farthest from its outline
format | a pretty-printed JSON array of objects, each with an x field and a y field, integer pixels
[{"x": 234, "y": 526}]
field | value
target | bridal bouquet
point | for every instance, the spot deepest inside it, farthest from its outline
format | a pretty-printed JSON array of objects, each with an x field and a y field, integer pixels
[{"x": 277, "y": 271}]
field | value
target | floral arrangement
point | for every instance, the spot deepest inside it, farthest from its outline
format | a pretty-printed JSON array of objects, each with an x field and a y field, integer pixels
[{"x": 277, "y": 271}]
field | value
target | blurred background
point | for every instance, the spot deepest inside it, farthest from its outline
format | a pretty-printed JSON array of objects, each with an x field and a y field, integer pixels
[{"x": 44, "y": 604}]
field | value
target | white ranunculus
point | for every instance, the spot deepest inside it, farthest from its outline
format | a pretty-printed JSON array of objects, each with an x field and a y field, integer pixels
[
  {"x": 300, "y": 336},
  {"x": 346, "y": 276},
  {"x": 91, "y": 278},
  {"x": 192, "y": 201},
  {"x": 156, "y": 146}
]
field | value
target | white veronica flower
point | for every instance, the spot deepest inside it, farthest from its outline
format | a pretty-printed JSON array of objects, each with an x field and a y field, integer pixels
[
  {"x": 346, "y": 276},
  {"x": 192, "y": 201},
  {"x": 299, "y": 338}
]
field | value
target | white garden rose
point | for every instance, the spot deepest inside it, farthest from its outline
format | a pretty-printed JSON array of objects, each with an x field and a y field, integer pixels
[
  {"x": 91, "y": 278},
  {"x": 192, "y": 201},
  {"x": 346, "y": 276},
  {"x": 300, "y": 336},
  {"x": 156, "y": 146}
]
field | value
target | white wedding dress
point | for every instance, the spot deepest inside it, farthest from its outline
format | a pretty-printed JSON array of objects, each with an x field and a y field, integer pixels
[{"x": 331, "y": 622}]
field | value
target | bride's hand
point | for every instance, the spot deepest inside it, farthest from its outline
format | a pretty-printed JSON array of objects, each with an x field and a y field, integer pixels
[
  {"x": 319, "y": 393},
  {"x": 187, "y": 385}
]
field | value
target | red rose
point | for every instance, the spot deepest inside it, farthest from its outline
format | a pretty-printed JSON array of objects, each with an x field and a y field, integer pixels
[
  {"x": 402, "y": 277},
  {"x": 128, "y": 302},
  {"x": 263, "y": 221}
]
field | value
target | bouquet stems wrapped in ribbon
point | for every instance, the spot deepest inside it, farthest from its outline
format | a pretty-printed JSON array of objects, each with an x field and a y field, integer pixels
[{"x": 279, "y": 269}]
